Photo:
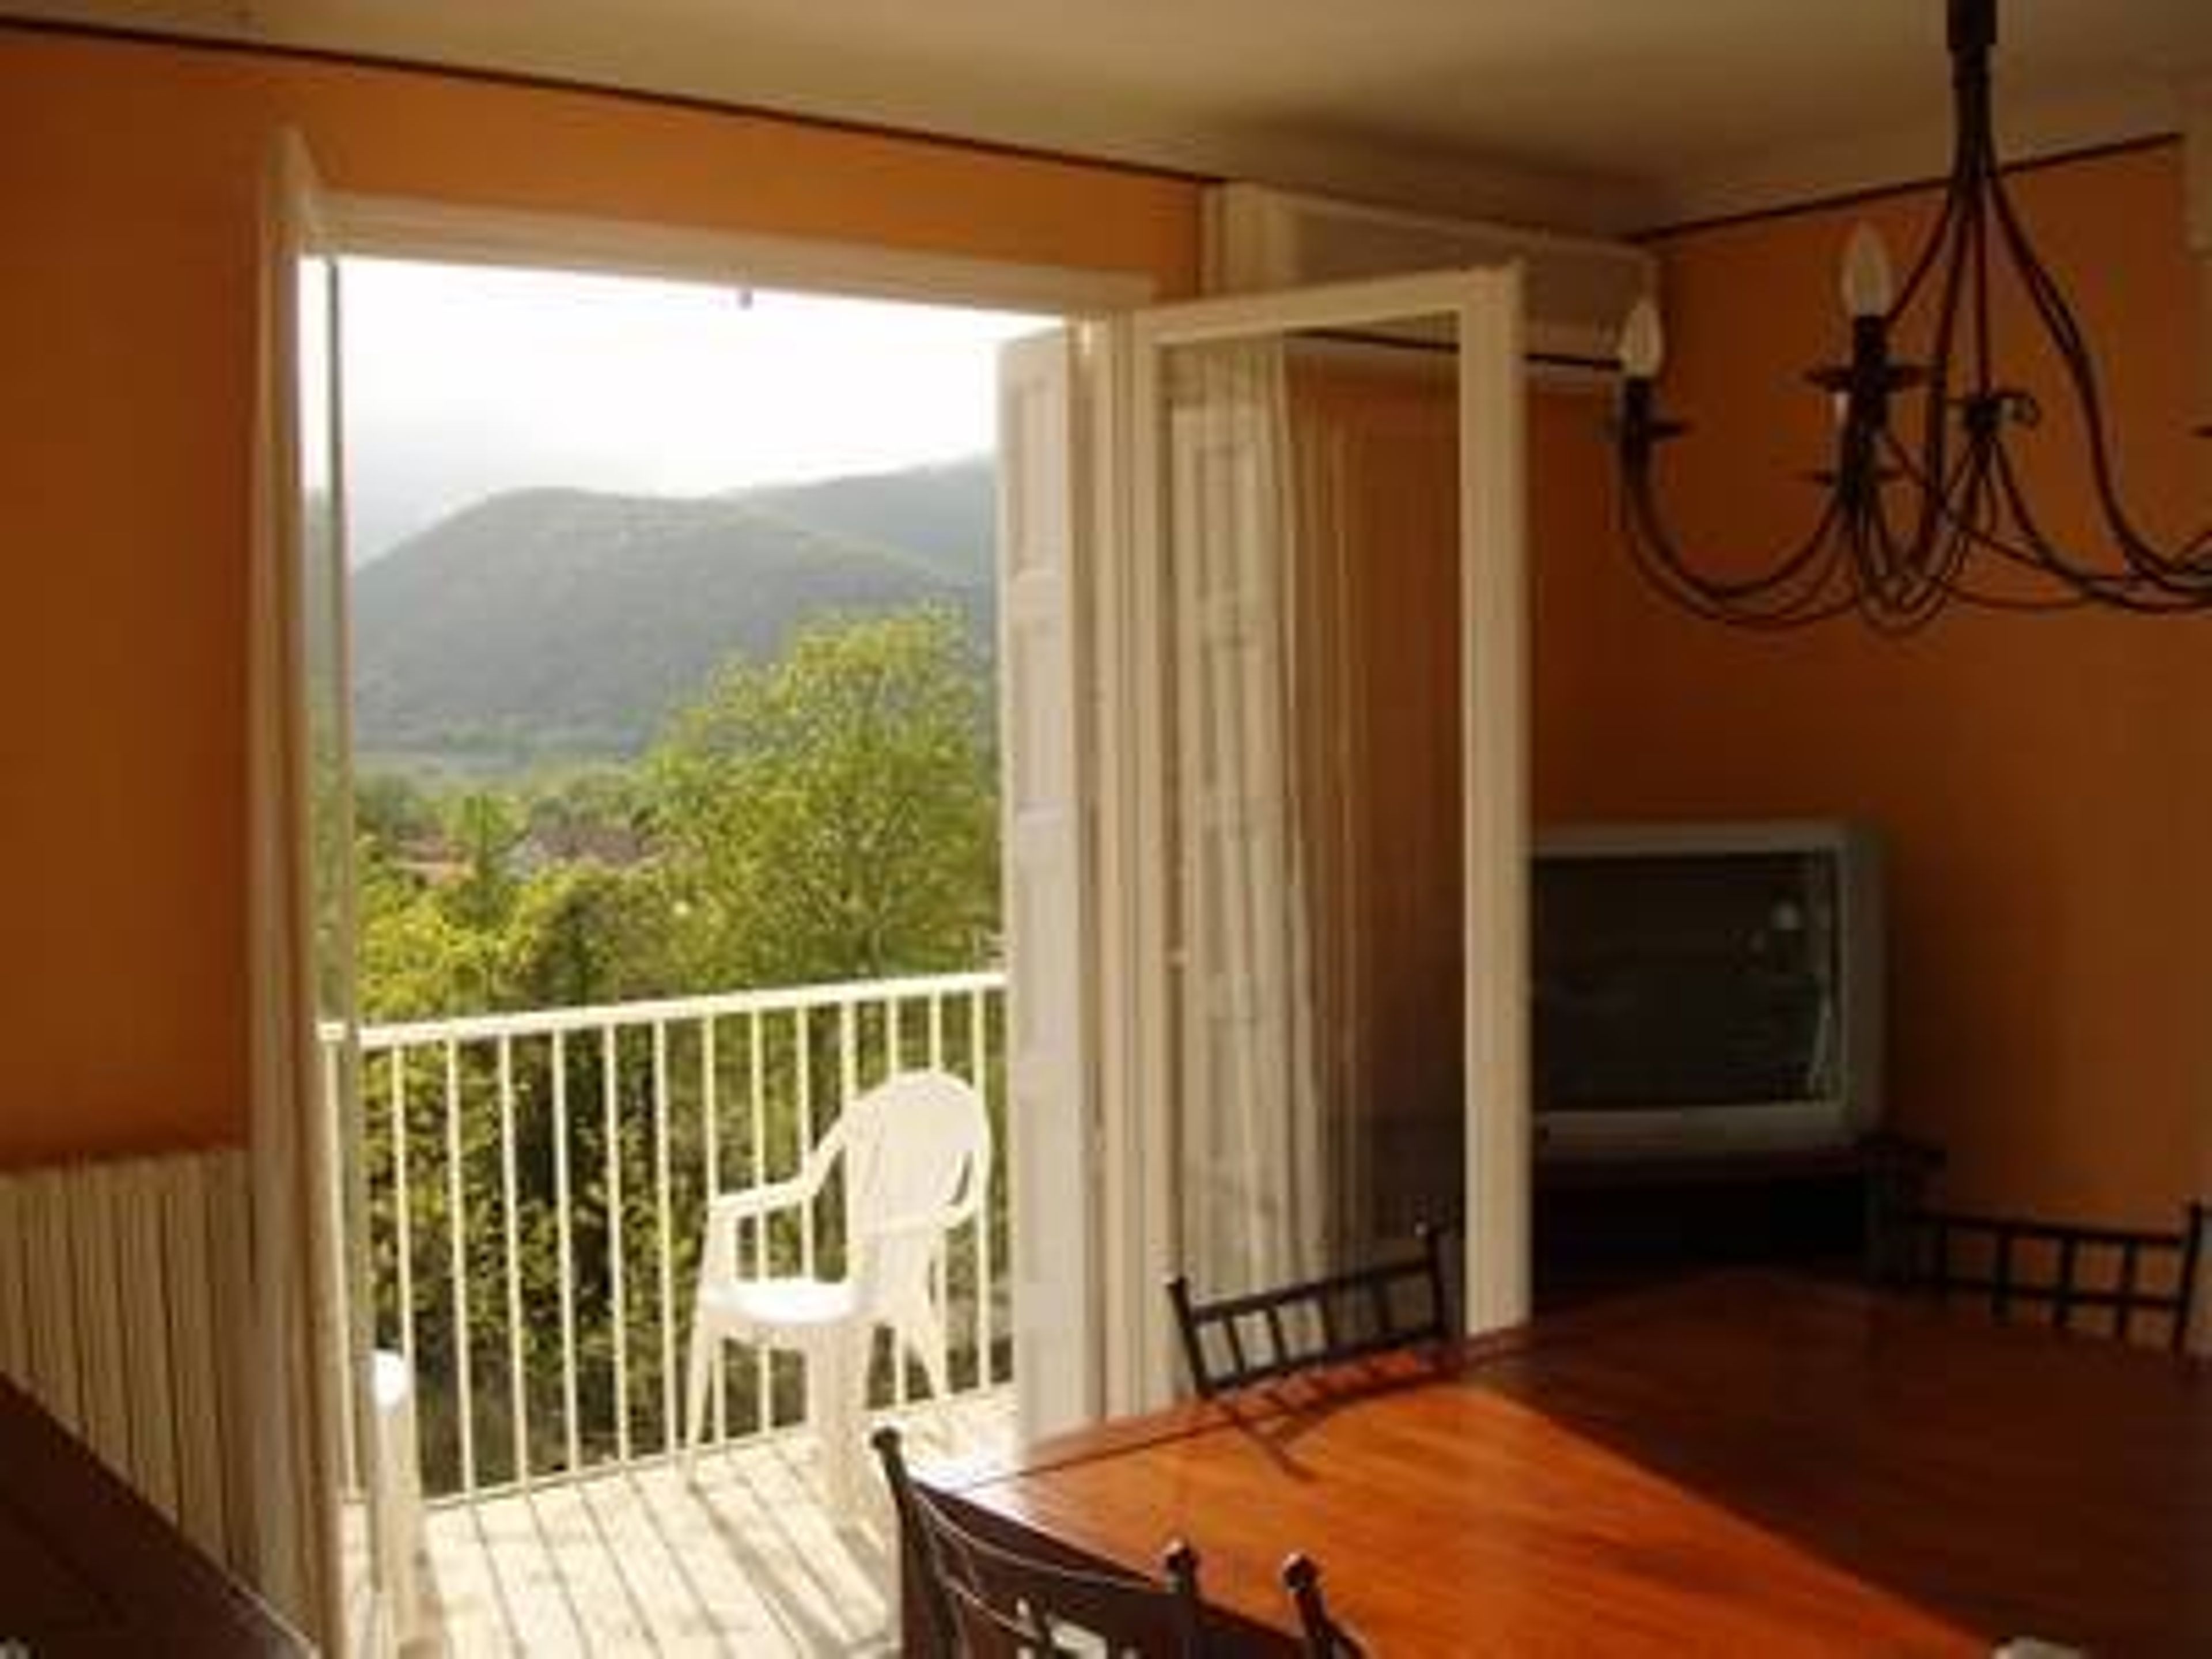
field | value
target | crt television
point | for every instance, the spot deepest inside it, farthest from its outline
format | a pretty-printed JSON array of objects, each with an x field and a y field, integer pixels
[{"x": 1705, "y": 989}]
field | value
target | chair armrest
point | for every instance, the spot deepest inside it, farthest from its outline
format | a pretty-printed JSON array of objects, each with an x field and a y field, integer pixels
[
  {"x": 754, "y": 1201},
  {"x": 944, "y": 1218},
  {"x": 727, "y": 1212}
]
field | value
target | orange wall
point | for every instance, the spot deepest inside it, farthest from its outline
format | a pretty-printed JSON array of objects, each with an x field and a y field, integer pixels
[
  {"x": 129, "y": 174},
  {"x": 2046, "y": 781}
]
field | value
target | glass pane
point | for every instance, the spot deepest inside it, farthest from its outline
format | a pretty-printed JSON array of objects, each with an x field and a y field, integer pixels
[{"x": 1310, "y": 499}]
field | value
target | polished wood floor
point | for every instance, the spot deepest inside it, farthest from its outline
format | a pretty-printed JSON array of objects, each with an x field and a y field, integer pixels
[{"x": 639, "y": 1561}]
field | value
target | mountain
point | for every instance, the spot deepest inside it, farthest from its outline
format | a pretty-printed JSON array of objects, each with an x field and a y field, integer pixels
[
  {"x": 944, "y": 516},
  {"x": 559, "y": 623}
]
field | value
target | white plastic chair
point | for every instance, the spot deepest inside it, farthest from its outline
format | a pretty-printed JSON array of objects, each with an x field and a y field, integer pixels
[{"x": 917, "y": 1151}]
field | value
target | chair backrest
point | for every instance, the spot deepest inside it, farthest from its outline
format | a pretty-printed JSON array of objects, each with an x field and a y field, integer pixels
[
  {"x": 1324, "y": 1637},
  {"x": 1235, "y": 1340},
  {"x": 985, "y": 1601},
  {"x": 916, "y": 1147},
  {"x": 2060, "y": 1269}
]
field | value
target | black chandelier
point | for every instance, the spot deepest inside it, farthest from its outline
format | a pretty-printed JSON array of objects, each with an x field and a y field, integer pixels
[{"x": 1913, "y": 520}]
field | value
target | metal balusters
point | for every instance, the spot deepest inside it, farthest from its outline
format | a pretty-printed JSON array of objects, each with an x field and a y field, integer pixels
[
  {"x": 802, "y": 1047},
  {"x": 564, "y": 1230},
  {"x": 710, "y": 1142},
  {"x": 617, "y": 1290},
  {"x": 341, "y": 1222},
  {"x": 517, "y": 1375},
  {"x": 402, "y": 1200},
  {"x": 457, "y": 1256},
  {"x": 666, "y": 1232},
  {"x": 757, "y": 1084},
  {"x": 934, "y": 1056}
]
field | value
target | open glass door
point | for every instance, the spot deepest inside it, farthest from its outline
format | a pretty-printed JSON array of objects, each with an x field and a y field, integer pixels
[{"x": 1235, "y": 686}]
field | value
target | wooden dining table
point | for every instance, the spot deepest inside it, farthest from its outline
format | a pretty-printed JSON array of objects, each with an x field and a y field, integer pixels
[{"x": 1742, "y": 1463}]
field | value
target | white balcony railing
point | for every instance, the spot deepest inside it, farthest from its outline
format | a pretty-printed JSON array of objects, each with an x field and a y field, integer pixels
[{"x": 535, "y": 1184}]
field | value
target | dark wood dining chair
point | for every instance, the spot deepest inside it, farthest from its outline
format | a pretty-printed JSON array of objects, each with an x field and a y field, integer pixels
[
  {"x": 1233, "y": 1341},
  {"x": 983, "y": 1602},
  {"x": 1324, "y": 1637},
  {"x": 2060, "y": 1271}
]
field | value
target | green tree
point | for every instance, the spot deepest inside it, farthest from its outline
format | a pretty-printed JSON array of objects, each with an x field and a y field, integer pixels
[
  {"x": 486, "y": 830},
  {"x": 393, "y": 811},
  {"x": 416, "y": 960},
  {"x": 584, "y": 932},
  {"x": 833, "y": 813}
]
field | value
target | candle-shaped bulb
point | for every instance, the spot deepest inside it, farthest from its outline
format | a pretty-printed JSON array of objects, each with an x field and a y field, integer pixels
[
  {"x": 1866, "y": 281},
  {"x": 1642, "y": 341}
]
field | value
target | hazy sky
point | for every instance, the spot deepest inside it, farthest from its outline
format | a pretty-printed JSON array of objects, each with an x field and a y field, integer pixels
[{"x": 462, "y": 381}]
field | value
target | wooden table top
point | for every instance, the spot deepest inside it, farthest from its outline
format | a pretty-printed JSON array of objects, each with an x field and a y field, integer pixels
[
  {"x": 88, "y": 1568},
  {"x": 1744, "y": 1463}
]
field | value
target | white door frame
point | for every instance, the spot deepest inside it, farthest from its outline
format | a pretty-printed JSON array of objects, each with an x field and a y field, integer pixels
[
  {"x": 1139, "y": 1245},
  {"x": 303, "y": 1135},
  {"x": 400, "y": 228},
  {"x": 408, "y": 227}
]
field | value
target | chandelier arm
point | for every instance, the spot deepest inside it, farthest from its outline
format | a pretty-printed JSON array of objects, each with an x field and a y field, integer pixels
[
  {"x": 2004, "y": 497},
  {"x": 1911, "y": 540},
  {"x": 1958, "y": 230},
  {"x": 1656, "y": 537},
  {"x": 1938, "y": 234},
  {"x": 1975, "y": 531},
  {"x": 1787, "y": 595},
  {"x": 1912, "y": 579},
  {"x": 1887, "y": 597},
  {"x": 1977, "y": 503},
  {"x": 2128, "y": 590},
  {"x": 2187, "y": 570},
  {"x": 2077, "y": 587}
]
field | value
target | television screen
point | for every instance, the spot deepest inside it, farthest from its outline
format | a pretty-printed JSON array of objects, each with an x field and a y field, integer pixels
[{"x": 1665, "y": 979}]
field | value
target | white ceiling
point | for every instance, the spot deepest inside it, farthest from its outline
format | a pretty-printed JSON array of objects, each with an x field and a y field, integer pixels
[{"x": 1590, "y": 113}]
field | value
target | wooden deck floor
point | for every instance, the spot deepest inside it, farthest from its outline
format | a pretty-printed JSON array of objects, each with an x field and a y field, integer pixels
[{"x": 639, "y": 1561}]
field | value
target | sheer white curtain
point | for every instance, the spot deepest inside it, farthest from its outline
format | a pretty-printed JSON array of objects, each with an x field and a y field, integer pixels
[
  {"x": 1375, "y": 575},
  {"x": 1251, "y": 1137},
  {"x": 294, "y": 1344},
  {"x": 1332, "y": 822}
]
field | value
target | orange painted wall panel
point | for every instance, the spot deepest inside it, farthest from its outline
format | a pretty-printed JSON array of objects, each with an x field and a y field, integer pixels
[{"x": 129, "y": 176}]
